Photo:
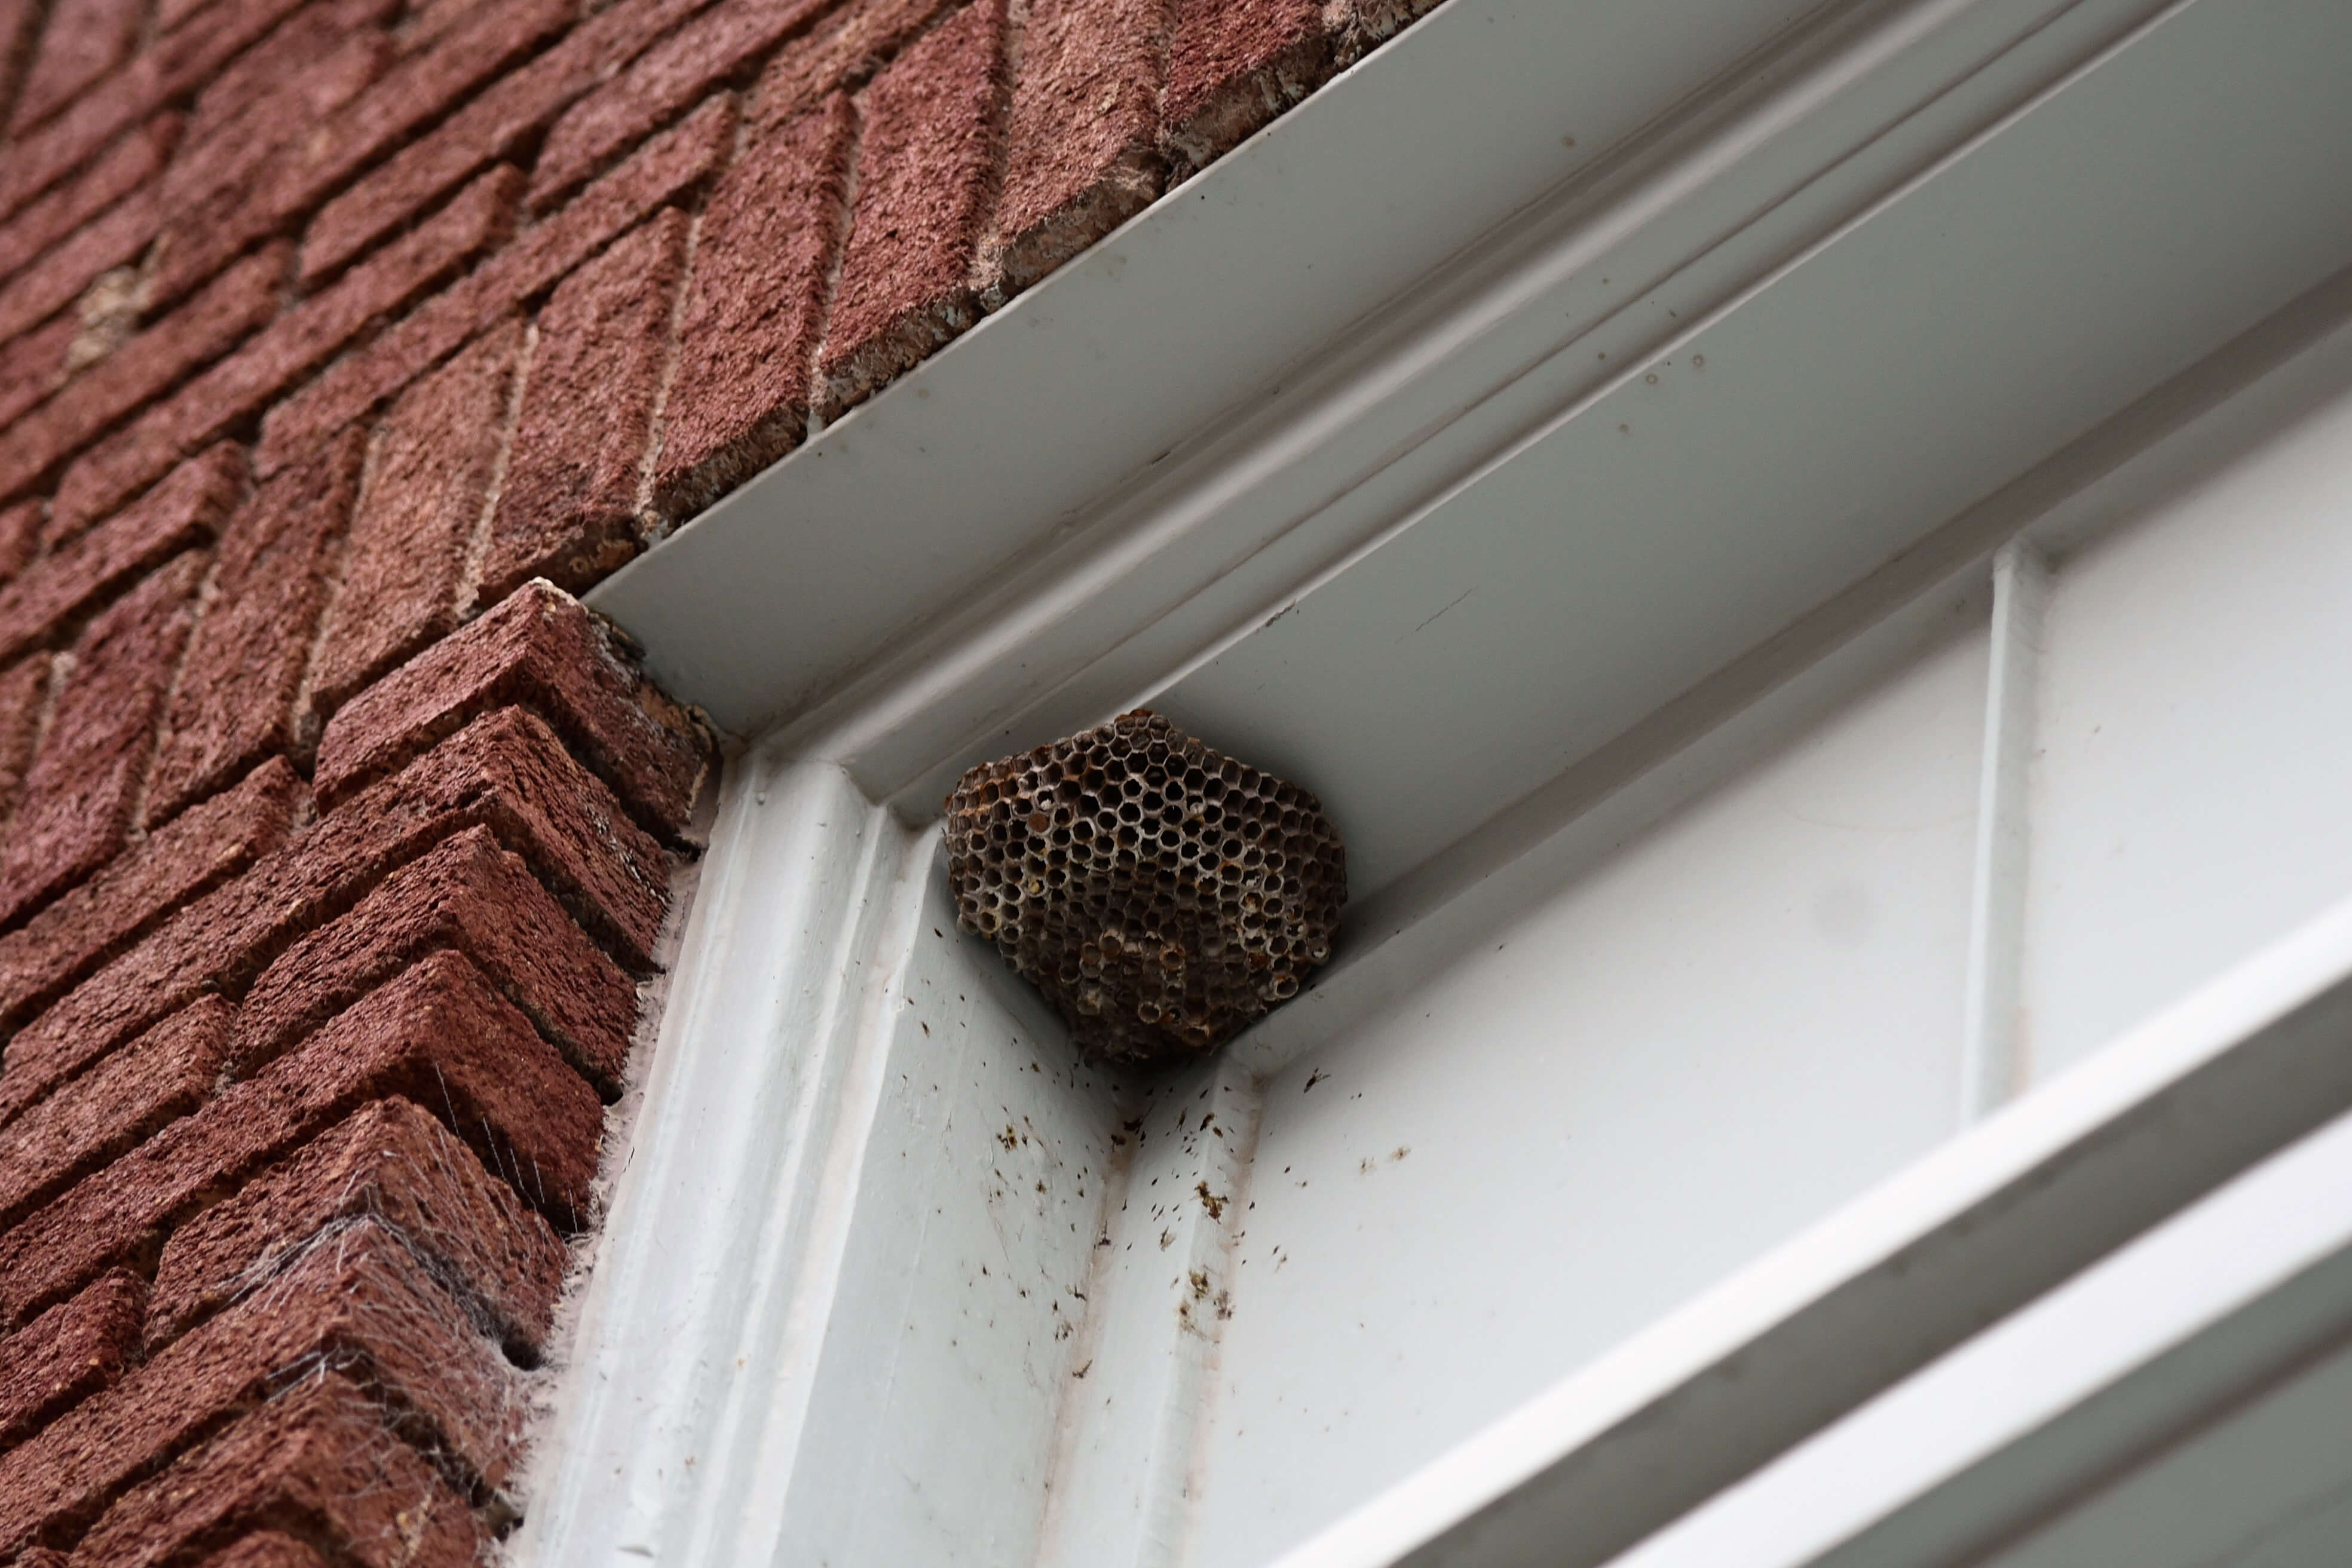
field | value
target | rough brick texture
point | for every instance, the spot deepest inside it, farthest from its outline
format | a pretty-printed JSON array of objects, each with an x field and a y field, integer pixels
[
  {"x": 316, "y": 1460},
  {"x": 393, "y": 1164},
  {"x": 926, "y": 174},
  {"x": 755, "y": 309},
  {"x": 342, "y": 342},
  {"x": 567, "y": 511},
  {"x": 66, "y": 1354}
]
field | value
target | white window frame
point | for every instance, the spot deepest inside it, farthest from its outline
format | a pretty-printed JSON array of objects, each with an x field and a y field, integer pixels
[{"x": 939, "y": 578}]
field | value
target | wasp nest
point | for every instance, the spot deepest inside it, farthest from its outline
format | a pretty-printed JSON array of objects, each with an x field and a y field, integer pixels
[{"x": 1161, "y": 895}]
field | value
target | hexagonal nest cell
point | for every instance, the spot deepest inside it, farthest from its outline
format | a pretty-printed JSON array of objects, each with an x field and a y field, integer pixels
[{"x": 1163, "y": 896}]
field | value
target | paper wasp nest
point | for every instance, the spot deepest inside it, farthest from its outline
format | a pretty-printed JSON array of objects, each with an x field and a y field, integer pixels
[{"x": 1161, "y": 895}]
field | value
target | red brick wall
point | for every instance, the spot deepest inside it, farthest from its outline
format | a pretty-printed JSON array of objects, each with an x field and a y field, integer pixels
[{"x": 340, "y": 340}]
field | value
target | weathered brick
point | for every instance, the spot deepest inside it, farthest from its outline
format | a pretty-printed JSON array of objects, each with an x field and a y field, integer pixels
[
  {"x": 82, "y": 41},
  {"x": 857, "y": 41},
  {"x": 416, "y": 92},
  {"x": 183, "y": 859},
  {"x": 925, "y": 172},
  {"x": 393, "y": 1164},
  {"x": 84, "y": 781},
  {"x": 33, "y": 365},
  {"x": 428, "y": 489},
  {"x": 663, "y": 170},
  {"x": 568, "y": 510},
  {"x": 20, "y": 536},
  {"x": 661, "y": 84},
  {"x": 315, "y": 1458},
  {"x": 156, "y": 1080},
  {"x": 506, "y": 771},
  {"x": 220, "y": 198},
  {"x": 1083, "y": 154},
  {"x": 198, "y": 332},
  {"x": 236, "y": 699},
  {"x": 270, "y": 1549},
  {"x": 1233, "y": 64},
  {"x": 360, "y": 1308},
  {"x": 61, "y": 276},
  {"x": 124, "y": 167},
  {"x": 20, "y": 23},
  {"x": 540, "y": 649},
  {"x": 468, "y": 895},
  {"x": 296, "y": 343},
  {"x": 754, "y": 307},
  {"x": 273, "y": 72},
  {"x": 186, "y": 508},
  {"x": 67, "y": 1353},
  {"x": 176, "y": 63},
  {"x": 496, "y": 124},
  {"x": 24, "y": 693},
  {"x": 439, "y": 1036}
]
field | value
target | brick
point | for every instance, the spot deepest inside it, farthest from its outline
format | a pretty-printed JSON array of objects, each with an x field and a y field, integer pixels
[
  {"x": 568, "y": 510},
  {"x": 416, "y": 92},
  {"x": 187, "y": 509},
  {"x": 439, "y": 1036},
  {"x": 24, "y": 693},
  {"x": 33, "y": 365},
  {"x": 660, "y": 84},
  {"x": 176, "y": 63},
  {"x": 428, "y": 489},
  {"x": 220, "y": 198},
  {"x": 276, "y": 73},
  {"x": 362, "y": 1310},
  {"x": 390, "y": 1164},
  {"x": 499, "y": 123},
  {"x": 123, "y": 168},
  {"x": 272, "y": 1550},
  {"x": 240, "y": 300},
  {"x": 20, "y": 21},
  {"x": 67, "y": 1353},
  {"x": 83, "y": 783},
  {"x": 237, "y": 699},
  {"x": 236, "y": 389},
  {"x": 506, "y": 771},
  {"x": 754, "y": 309},
  {"x": 1083, "y": 154},
  {"x": 926, "y": 169},
  {"x": 183, "y": 859},
  {"x": 61, "y": 276},
  {"x": 543, "y": 649},
  {"x": 860, "y": 40},
  {"x": 20, "y": 535},
  {"x": 664, "y": 169},
  {"x": 469, "y": 895},
  {"x": 317, "y": 1459},
  {"x": 1233, "y": 64},
  {"x": 156, "y": 1080},
  {"x": 83, "y": 40}
]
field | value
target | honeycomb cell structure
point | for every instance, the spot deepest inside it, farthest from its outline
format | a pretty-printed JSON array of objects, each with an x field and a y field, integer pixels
[{"x": 1163, "y": 896}]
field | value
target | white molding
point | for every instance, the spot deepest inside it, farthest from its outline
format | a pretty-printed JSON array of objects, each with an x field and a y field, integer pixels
[
  {"x": 2068, "y": 1395},
  {"x": 1862, "y": 1300},
  {"x": 1990, "y": 1071}
]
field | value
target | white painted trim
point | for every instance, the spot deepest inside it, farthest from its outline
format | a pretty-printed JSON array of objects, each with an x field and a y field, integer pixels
[
  {"x": 2175, "y": 1326},
  {"x": 1990, "y": 1071},
  {"x": 1866, "y": 1297}
]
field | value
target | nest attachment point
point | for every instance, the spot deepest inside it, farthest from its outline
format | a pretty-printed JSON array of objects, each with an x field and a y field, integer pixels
[{"x": 1163, "y": 896}]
